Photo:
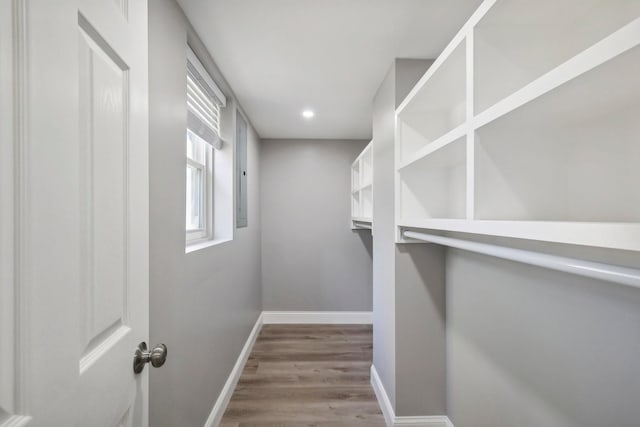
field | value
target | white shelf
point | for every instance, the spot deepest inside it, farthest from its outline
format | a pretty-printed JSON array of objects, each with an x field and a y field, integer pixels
[
  {"x": 362, "y": 186},
  {"x": 366, "y": 167},
  {"x": 605, "y": 235},
  {"x": 612, "y": 46},
  {"x": 366, "y": 195},
  {"x": 553, "y": 154},
  {"x": 361, "y": 223},
  {"x": 361, "y": 219},
  {"x": 437, "y": 108},
  {"x": 518, "y": 41},
  {"x": 435, "y": 185},
  {"x": 355, "y": 204},
  {"x": 443, "y": 141},
  {"x": 355, "y": 175},
  {"x": 570, "y": 155}
]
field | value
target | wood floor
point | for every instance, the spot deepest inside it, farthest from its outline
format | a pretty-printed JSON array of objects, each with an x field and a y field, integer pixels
[{"x": 307, "y": 375}]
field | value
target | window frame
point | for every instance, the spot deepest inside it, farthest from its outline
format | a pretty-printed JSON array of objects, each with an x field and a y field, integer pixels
[
  {"x": 202, "y": 130},
  {"x": 199, "y": 235}
]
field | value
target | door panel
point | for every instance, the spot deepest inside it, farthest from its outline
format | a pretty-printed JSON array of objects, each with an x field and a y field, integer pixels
[
  {"x": 81, "y": 197},
  {"x": 103, "y": 95}
]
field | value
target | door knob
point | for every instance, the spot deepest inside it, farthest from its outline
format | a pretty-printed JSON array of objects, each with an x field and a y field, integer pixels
[{"x": 142, "y": 356}]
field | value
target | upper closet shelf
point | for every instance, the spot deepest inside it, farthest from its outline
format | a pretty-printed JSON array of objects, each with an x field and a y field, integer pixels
[
  {"x": 362, "y": 189},
  {"x": 605, "y": 235},
  {"x": 436, "y": 145},
  {"x": 523, "y": 128},
  {"x": 437, "y": 108},
  {"x": 617, "y": 43}
]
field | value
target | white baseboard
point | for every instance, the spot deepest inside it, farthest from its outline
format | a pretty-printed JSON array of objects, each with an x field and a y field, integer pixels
[
  {"x": 317, "y": 317},
  {"x": 383, "y": 398},
  {"x": 389, "y": 414},
  {"x": 227, "y": 391},
  {"x": 16, "y": 421},
  {"x": 433, "y": 421}
]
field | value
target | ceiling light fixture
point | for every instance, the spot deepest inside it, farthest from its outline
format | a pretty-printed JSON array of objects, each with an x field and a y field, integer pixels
[{"x": 308, "y": 114}]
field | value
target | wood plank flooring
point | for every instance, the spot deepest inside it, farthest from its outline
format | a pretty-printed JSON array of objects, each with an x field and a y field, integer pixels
[{"x": 307, "y": 375}]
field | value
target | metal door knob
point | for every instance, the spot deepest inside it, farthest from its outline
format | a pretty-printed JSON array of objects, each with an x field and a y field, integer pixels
[{"x": 142, "y": 356}]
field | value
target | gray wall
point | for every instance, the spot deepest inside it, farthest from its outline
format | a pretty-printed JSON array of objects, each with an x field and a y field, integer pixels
[
  {"x": 203, "y": 304},
  {"x": 532, "y": 347},
  {"x": 420, "y": 330},
  {"x": 384, "y": 330},
  {"x": 420, "y": 303},
  {"x": 311, "y": 260},
  {"x": 408, "y": 280}
]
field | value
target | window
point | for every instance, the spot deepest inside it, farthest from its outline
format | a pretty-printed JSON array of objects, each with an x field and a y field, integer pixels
[
  {"x": 204, "y": 100},
  {"x": 199, "y": 186}
]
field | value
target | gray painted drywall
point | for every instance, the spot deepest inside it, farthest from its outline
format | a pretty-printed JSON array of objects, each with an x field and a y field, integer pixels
[
  {"x": 420, "y": 330},
  {"x": 533, "y": 347},
  {"x": 203, "y": 304},
  {"x": 408, "y": 280},
  {"x": 408, "y": 72},
  {"x": 311, "y": 260},
  {"x": 420, "y": 303},
  {"x": 384, "y": 330}
]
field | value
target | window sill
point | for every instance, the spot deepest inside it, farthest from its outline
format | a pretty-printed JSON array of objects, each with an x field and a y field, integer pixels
[{"x": 196, "y": 246}]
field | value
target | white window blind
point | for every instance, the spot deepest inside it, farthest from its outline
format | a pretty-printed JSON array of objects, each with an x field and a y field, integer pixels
[{"x": 204, "y": 100}]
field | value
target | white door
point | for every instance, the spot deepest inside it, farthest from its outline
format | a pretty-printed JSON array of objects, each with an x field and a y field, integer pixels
[{"x": 79, "y": 287}]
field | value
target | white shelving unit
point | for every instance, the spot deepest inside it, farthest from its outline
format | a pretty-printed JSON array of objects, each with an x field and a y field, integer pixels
[
  {"x": 362, "y": 189},
  {"x": 528, "y": 126}
]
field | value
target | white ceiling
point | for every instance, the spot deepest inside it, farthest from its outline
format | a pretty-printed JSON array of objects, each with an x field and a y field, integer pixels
[{"x": 283, "y": 56}]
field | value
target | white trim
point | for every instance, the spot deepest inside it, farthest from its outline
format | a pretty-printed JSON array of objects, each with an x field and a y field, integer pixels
[
  {"x": 318, "y": 317},
  {"x": 21, "y": 219},
  {"x": 227, "y": 391},
  {"x": 197, "y": 237},
  {"x": 7, "y": 204},
  {"x": 427, "y": 421},
  {"x": 389, "y": 414},
  {"x": 203, "y": 244},
  {"x": 16, "y": 421},
  {"x": 383, "y": 398}
]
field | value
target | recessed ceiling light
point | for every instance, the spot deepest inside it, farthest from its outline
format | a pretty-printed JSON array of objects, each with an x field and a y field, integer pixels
[{"x": 307, "y": 114}]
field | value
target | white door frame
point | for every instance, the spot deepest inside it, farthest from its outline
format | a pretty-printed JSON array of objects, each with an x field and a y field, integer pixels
[{"x": 12, "y": 283}]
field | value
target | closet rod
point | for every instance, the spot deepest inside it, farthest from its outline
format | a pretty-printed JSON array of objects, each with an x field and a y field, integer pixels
[{"x": 607, "y": 272}]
